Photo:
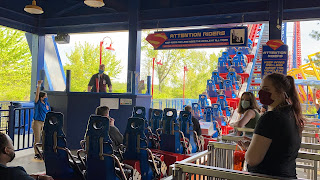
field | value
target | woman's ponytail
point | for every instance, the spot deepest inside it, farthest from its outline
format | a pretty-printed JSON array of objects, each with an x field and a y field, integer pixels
[{"x": 295, "y": 103}]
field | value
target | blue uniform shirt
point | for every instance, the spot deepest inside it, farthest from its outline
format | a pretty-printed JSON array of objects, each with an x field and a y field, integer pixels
[
  {"x": 40, "y": 110},
  {"x": 318, "y": 113}
]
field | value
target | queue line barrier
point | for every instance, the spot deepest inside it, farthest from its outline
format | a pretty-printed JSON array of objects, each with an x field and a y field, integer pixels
[
  {"x": 16, "y": 121},
  {"x": 216, "y": 163},
  {"x": 306, "y": 155}
]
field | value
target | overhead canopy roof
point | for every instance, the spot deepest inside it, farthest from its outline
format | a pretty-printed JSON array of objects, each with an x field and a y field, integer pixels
[{"x": 75, "y": 16}]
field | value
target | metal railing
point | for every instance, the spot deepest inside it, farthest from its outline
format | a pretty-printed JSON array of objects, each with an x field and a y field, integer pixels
[
  {"x": 171, "y": 103},
  {"x": 309, "y": 165},
  {"x": 4, "y": 116},
  {"x": 218, "y": 163},
  {"x": 16, "y": 122}
]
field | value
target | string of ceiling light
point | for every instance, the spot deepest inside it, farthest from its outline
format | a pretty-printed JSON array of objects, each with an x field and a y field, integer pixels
[{"x": 35, "y": 9}]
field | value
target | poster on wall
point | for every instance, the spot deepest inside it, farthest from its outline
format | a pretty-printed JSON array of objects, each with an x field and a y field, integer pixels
[
  {"x": 199, "y": 38},
  {"x": 274, "y": 58}
]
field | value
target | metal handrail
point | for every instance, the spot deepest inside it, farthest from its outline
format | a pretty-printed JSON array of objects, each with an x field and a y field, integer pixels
[
  {"x": 217, "y": 172},
  {"x": 310, "y": 146},
  {"x": 244, "y": 129},
  {"x": 307, "y": 134},
  {"x": 195, "y": 157},
  {"x": 231, "y": 138},
  {"x": 72, "y": 158},
  {"x": 81, "y": 158},
  {"x": 309, "y": 128},
  {"x": 115, "y": 158}
]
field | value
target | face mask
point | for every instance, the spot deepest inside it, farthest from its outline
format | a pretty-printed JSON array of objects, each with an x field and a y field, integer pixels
[
  {"x": 101, "y": 71},
  {"x": 12, "y": 156},
  {"x": 45, "y": 99},
  {"x": 265, "y": 97},
  {"x": 245, "y": 104}
]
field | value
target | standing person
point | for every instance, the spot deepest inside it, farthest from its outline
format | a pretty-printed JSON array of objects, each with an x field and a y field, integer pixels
[
  {"x": 99, "y": 81},
  {"x": 249, "y": 110},
  {"x": 277, "y": 137},
  {"x": 41, "y": 107},
  {"x": 7, "y": 154}
]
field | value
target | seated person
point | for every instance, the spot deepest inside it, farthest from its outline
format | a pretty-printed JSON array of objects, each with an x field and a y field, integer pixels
[
  {"x": 195, "y": 122},
  {"x": 237, "y": 75},
  {"x": 249, "y": 111},
  {"x": 220, "y": 92},
  {"x": 114, "y": 133},
  {"x": 7, "y": 154},
  {"x": 208, "y": 99}
]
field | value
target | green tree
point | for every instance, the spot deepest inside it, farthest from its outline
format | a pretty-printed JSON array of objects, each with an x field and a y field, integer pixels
[
  {"x": 200, "y": 67},
  {"x": 316, "y": 59},
  {"x": 84, "y": 62},
  {"x": 315, "y": 35},
  {"x": 169, "y": 58},
  {"x": 15, "y": 65},
  {"x": 170, "y": 74}
]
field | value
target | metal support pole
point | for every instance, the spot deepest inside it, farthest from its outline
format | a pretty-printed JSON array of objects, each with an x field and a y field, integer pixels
[
  {"x": 184, "y": 82},
  {"x": 275, "y": 18},
  {"x": 134, "y": 50},
  {"x": 11, "y": 122},
  {"x": 152, "y": 75},
  {"x": 37, "y": 52},
  {"x": 68, "y": 81},
  {"x": 101, "y": 43},
  {"x": 148, "y": 84},
  {"x": 284, "y": 33}
]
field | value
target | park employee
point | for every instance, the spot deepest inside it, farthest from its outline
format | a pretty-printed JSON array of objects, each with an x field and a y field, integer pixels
[{"x": 99, "y": 81}]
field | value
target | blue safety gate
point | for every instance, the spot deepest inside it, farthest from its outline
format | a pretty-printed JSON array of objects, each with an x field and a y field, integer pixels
[
  {"x": 16, "y": 120},
  {"x": 172, "y": 103}
]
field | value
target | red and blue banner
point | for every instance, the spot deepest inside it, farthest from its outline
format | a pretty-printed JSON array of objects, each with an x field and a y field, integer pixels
[
  {"x": 274, "y": 58},
  {"x": 199, "y": 38}
]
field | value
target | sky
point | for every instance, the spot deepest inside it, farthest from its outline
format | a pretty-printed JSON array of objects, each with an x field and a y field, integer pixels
[{"x": 120, "y": 44}]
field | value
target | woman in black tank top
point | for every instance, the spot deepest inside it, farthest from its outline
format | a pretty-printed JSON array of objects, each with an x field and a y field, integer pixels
[{"x": 277, "y": 136}]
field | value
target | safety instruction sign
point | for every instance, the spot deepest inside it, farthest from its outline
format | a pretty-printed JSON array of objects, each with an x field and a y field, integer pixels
[
  {"x": 274, "y": 58},
  {"x": 199, "y": 38},
  {"x": 125, "y": 101}
]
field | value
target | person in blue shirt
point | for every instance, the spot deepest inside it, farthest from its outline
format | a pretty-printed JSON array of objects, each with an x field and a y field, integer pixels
[
  {"x": 41, "y": 107},
  {"x": 7, "y": 154}
]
